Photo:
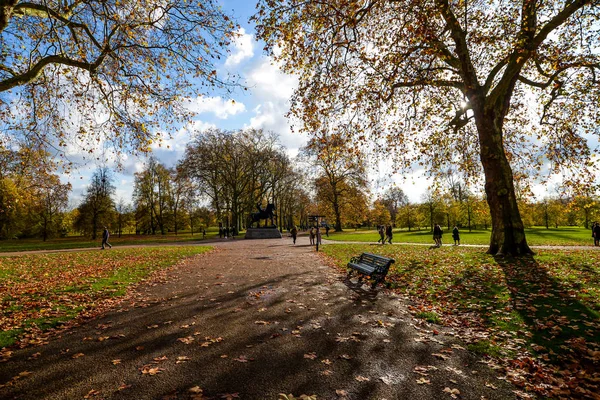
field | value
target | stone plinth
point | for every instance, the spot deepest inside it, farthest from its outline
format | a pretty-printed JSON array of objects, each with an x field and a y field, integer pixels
[{"x": 263, "y": 233}]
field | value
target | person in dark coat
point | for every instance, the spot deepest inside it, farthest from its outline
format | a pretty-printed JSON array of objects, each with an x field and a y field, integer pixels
[
  {"x": 456, "y": 235},
  {"x": 596, "y": 233},
  {"x": 437, "y": 235},
  {"x": 381, "y": 232},
  {"x": 389, "y": 233},
  {"x": 105, "y": 236},
  {"x": 294, "y": 233}
]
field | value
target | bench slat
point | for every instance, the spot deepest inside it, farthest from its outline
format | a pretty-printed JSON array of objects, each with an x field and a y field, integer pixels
[{"x": 365, "y": 269}]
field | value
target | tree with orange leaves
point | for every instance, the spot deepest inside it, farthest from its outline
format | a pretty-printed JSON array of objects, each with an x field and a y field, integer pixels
[{"x": 448, "y": 81}]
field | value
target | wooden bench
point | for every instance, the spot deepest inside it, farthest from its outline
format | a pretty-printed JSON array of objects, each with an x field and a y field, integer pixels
[{"x": 370, "y": 265}]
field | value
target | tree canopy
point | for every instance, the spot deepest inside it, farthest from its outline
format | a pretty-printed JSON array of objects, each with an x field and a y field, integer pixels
[
  {"x": 82, "y": 72},
  {"x": 504, "y": 88}
]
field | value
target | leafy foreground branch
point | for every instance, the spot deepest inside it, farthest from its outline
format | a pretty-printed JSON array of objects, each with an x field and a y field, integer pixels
[
  {"x": 536, "y": 319},
  {"x": 42, "y": 293}
]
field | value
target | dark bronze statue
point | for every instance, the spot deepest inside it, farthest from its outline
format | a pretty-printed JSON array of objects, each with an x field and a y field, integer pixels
[{"x": 265, "y": 214}]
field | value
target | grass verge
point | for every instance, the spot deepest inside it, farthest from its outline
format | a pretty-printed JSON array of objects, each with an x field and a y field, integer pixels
[
  {"x": 539, "y": 314},
  {"x": 536, "y": 236},
  {"x": 40, "y": 292}
]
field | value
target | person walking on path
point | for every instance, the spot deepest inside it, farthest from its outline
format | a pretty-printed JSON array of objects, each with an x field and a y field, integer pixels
[
  {"x": 105, "y": 236},
  {"x": 294, "y": 233},
  {"x": 596, "y": 234},
  {"x": 381, "y": 234},
  {"x": 318, "y": 236},
  {"x": 437, "y": 235},
  {"x": 389, "y": 234},
  {"x": 456, "y": 236},
  {"x": 311, "y": 235},
  {"x": 327, "y": 230}
]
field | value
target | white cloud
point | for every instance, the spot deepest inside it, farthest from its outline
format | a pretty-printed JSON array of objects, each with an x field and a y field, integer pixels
[
  {"x": 413, "y": 183},
  {"x": 267, "y": 81},
  {"x": 270, "y": 116},
  {"x": 218, "y": 106},
  {"x": 243, "y": 48},
  {"x": 272, "y": 90},
  {"x": 181, "y": 138}
]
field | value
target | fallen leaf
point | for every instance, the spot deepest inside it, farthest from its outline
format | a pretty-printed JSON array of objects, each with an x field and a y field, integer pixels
[
  {"x": 123, "y": 387},
  {"x": 453, "y": 392},
  {"x": 186, "y": 340},
  {"x": 311, "y": 356},
  {"x": 195, "y": 390},
  {"x": 229, "y": 396},
  {"x": 91, "y": 393},
  {"x": 78, "y": 355},
  {"x": 151, "y": 370},
  {"x": 423, "y": 381},
  {"x": 361, "y": 378},
  {"x": 116, "y": 361}
]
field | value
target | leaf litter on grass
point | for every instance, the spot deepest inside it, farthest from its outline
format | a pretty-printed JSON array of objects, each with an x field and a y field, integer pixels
[
  {"x": 34, "y": 303},
  {"x": 536, "y": 319}
]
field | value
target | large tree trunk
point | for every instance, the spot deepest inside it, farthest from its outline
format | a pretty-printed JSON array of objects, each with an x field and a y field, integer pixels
[
  {"x": 508, "y": 232},
  {"x": 336, "y": 211}
]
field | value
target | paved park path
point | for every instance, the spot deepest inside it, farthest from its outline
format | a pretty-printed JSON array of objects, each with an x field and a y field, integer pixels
[{"x": 250, "y": 320}]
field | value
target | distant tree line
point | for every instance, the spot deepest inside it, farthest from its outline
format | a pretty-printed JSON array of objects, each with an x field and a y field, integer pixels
[{"x": 225, "y": 175}]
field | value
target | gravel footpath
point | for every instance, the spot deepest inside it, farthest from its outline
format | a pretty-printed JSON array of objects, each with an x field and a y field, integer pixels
[{"x": 251, "y": 320}]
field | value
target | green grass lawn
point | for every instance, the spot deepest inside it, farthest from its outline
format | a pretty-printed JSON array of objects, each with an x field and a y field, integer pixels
[
  {"x": 41, "y": 291},
  {"x": 78, "y": 242},
  {"x": 536, "y": 236},
  {"x": 545, "y": 308}
]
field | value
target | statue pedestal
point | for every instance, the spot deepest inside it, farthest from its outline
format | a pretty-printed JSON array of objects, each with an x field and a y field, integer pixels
[{"x": 263, "y": 233}]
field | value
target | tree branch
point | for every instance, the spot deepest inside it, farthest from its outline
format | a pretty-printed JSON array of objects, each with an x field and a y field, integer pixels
[
  {"x": 466, "y": 67},
  {"x": 34, "y": 72}
]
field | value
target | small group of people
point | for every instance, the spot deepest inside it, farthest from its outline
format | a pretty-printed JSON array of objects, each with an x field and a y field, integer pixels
[
  {"x": 226, "y": 231},
  {"x": 438, "y": 233},
  {"x": 385, "y": 234},
  {"x": 596, "y": 233}
]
